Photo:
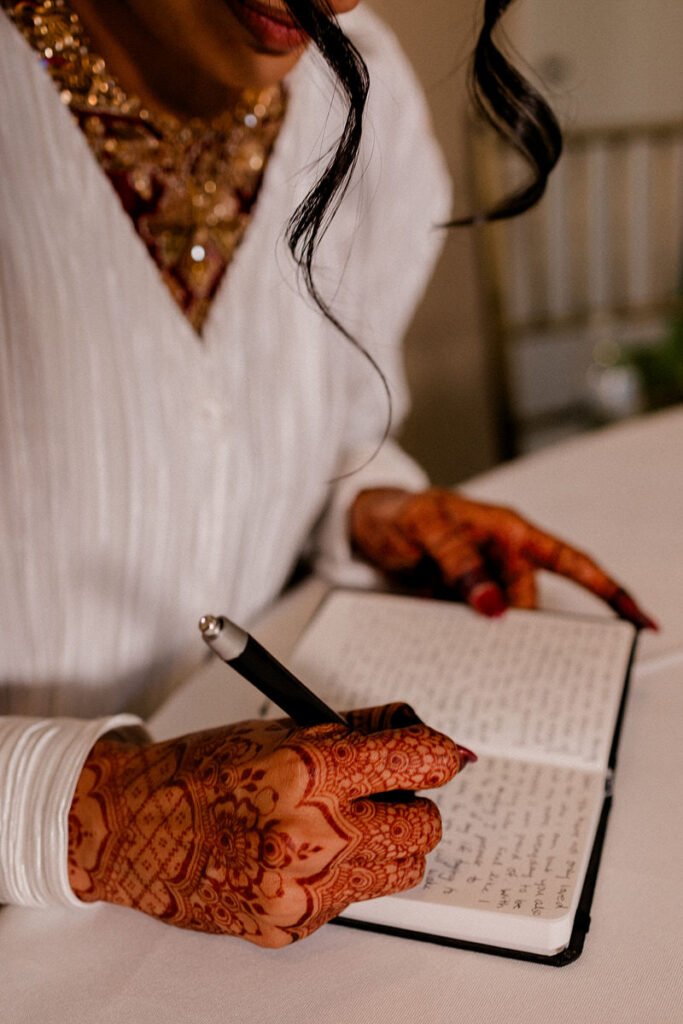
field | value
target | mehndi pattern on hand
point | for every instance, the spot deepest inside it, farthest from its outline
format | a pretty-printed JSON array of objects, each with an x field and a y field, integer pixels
[
  {"x": 484, "y": 554},
  {"x": 260, "y": 829}
]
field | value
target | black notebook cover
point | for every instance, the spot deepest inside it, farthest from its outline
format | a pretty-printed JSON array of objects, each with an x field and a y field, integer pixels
[{"x": 582, "y": 919}]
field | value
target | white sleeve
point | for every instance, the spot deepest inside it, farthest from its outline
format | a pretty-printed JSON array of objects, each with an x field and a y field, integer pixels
[
  {"x": 399, "y": 238},
  {"x": 40, "y": 762},
  {"x": 334, "y": 560}
]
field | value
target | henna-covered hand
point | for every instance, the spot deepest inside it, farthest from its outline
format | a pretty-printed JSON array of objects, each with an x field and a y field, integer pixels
[
  {"x": 259, "y": 829},
  {"x": 484, "y": 554}
]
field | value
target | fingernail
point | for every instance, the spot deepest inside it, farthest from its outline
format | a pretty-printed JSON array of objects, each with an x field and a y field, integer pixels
[
  {"x": 625, "y": 606},
  {"x": 465, "y": 756},
  {"x": 487, "y": 599}
]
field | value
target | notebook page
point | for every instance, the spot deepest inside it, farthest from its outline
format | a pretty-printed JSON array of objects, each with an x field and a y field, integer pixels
[
  {"x": 528, "y": 684},
  {"x": 510, "y": 867},
  {"x": 515, "y": 838}
]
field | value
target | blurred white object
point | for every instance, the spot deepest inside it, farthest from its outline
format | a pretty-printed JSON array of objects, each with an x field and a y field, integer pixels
[{"x": 614, "y": 392}]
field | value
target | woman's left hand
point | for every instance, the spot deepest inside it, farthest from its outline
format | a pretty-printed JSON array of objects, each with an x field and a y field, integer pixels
[{"x": 484, "y": 554}]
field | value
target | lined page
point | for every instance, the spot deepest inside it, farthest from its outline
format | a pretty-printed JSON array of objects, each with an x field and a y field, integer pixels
[
  {"x": 509, "y": 870},
  {"x": 525, "y": 684},
  {"x": 516, "y": 838}
]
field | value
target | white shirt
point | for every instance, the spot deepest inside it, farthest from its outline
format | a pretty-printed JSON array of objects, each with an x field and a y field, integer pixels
[{"x": 148, "y": 475}]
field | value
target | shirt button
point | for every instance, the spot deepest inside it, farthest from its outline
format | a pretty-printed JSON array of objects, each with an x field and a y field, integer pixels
[
  {"x": 212, "y": 410},
  {"x": 212, "y": 415}
]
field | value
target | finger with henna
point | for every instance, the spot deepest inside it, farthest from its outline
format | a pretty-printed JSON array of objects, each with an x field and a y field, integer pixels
[
  {"x": 411, "y": 758},
  {"x": 550, "y": 553}
]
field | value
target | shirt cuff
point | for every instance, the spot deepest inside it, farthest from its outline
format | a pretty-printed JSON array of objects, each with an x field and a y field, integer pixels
[
  {"x": 333, "y": 558},
  {"x": 40, "y": 763}
]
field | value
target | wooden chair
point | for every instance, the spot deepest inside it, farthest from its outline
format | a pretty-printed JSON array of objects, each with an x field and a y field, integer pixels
[{"x": 595, "y": 267}]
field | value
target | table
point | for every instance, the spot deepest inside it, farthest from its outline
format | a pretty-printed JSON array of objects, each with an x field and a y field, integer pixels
[{"x": 620, "y": 491}]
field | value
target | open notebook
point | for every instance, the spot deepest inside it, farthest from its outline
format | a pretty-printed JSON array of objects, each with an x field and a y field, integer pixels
[{"x": 539, "y": 698}]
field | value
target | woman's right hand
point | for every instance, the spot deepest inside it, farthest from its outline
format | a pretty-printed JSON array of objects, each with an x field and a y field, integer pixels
[{"x": 260, "y": 829}]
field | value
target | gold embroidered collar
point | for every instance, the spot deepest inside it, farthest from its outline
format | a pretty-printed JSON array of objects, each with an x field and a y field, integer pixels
[{"x": 189, "y": 185}]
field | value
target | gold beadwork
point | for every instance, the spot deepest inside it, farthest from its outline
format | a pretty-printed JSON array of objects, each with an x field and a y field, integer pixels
[{"x": 188, "y": 184}]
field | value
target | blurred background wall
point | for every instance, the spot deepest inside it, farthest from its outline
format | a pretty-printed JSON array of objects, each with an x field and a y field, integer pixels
[
  {"x": 600, "y": 64},
  {"x": 605, "y": 63},
  {"x": 450, "y": 429}
]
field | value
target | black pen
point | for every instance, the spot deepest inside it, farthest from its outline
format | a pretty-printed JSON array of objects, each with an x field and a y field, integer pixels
[{"x": 239, "y": 650}]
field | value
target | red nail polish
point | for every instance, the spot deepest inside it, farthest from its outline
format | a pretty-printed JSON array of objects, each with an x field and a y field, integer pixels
[
  {"x": 627, "y": 608},
  {"x": 487, "y": 599},
  {"x": 465, "y": 756}
]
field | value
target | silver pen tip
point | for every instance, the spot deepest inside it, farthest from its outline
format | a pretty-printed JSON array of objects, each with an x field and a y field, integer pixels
[{"x": 209, "y": 626}]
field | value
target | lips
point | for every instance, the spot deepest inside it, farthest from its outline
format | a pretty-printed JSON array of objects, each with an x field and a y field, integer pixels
[{"x": 271, "y": 28}]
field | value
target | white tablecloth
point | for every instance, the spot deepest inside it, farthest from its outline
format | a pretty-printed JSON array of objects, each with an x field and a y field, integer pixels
[{"x": 619, "y": 492}]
